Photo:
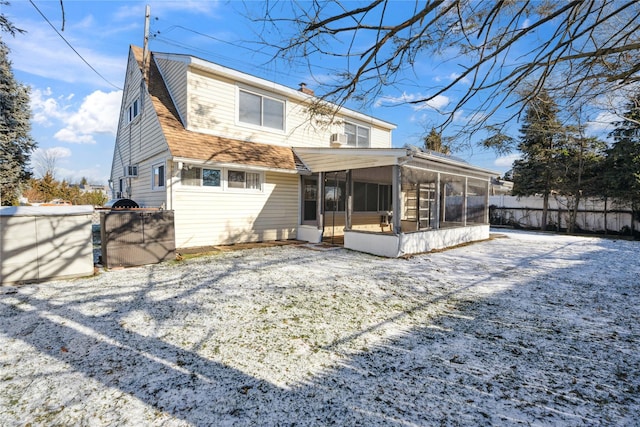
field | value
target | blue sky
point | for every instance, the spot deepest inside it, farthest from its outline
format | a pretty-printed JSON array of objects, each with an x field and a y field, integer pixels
[{"x": 75, "y": 108}]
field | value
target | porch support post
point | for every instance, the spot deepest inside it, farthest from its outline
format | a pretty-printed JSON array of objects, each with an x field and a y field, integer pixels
[
  {"x": 396, "y": 185},
  {"x": 464, "y": 202},
  {"x": 320, "y": 202},
  {"x": 437, "y": 202},
  {"x": 348, "y": 209},
  {"x": 486, "y": 202}
]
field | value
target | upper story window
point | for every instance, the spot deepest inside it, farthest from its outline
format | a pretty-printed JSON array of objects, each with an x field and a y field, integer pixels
[
  {"x": 357, "y": 136},
  {"x": 261, "y": 110},
  {"x": 134, "y": 110}
]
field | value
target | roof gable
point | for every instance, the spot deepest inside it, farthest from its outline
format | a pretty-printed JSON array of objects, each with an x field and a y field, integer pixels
[{"x": 208, "y": 148}]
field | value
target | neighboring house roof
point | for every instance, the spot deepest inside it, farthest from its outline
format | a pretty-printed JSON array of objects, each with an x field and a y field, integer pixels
[{"x": 185, "y": 144}]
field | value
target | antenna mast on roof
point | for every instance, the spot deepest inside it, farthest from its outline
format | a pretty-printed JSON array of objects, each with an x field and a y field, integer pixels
[{"x": 145, "y": 45}]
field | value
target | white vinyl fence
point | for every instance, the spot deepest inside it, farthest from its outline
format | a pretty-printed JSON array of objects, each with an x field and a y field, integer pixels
[{"x": 526, "y": 212}]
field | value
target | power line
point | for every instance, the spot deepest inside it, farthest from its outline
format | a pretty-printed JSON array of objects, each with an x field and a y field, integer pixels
[
  {"x": 72, "y": 48},
  {"x": 158, "y": 36}
]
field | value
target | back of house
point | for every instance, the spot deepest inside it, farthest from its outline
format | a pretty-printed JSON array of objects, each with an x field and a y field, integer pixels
[{"x": 218, "y": 147}]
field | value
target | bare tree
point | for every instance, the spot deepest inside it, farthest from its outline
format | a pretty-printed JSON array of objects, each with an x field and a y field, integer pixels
[
  {"x": 45, "y": 161},
  {"x": 576, "y": 50}
]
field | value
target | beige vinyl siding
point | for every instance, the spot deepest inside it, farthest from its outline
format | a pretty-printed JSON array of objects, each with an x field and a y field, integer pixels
[
  {"x": 174, "y": 75},
  {"x": 140, "y": 142},
  {"x": 207, "y": 217},
  {"x": 144, "y": 194},
  {"x": 213, "y": 109},
  {"x": 211, "y": 104}
]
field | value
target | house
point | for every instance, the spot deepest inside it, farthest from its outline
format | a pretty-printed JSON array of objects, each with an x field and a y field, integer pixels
[{"x": 240, "y": 159}]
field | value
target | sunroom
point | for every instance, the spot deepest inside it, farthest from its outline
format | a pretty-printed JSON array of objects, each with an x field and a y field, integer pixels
[{"x": 392, "y": 202}]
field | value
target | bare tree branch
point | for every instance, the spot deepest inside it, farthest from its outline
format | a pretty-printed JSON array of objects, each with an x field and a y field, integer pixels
[{"x": 507, "y": 51}]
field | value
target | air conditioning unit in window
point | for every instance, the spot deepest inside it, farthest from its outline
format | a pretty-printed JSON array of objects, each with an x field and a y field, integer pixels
[{"x": 338, "y": 139}]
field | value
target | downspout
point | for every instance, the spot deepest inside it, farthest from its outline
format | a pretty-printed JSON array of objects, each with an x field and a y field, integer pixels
[
  {"x": 465, "y": 192},
  {"x": 437, "y": 202},
  {"x": 486, "y": 203},
  {"x": 348, "y": 201},
  {"x": 320, "y": 203}
]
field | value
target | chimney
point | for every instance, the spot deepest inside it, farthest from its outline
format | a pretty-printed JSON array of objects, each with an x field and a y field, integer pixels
[{"x": 304, "y": 89}]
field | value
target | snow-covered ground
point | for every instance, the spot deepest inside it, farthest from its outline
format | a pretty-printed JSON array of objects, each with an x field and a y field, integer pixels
[{"x": 531, "y": 329}]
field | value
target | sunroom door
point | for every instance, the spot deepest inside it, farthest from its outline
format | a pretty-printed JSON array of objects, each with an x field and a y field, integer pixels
[{"x": 309, "y": 199}]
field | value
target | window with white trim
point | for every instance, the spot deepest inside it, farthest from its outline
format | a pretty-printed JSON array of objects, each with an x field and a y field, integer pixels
[
  {"x": 201, "y": 177},
  {"x": 120, "y": 192},
  {"x": 133, "y": 110},
  {"x": 260, "y": 110},
  {"x": 132, "y": 171},
  {"x": 157, "y": 176},
  {"x": 357, "y": 136},
  {"x": 242, "y": 179}
]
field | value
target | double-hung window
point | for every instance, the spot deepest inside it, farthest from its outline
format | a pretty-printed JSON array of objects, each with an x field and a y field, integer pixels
[
  {"x": 157, "y": 176},
  {"x": 357, "y": 136},
  {"x": 260, "y": 110},
  {"x": 133, "y": 110}
]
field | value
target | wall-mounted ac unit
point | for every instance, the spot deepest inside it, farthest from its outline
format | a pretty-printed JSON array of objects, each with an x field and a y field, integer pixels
[
  {"x": 338, "y": 139},
  {"x": 132, "y": 171}
]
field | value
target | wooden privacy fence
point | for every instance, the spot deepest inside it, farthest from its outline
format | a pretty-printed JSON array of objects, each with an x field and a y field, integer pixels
[{"x": 594, "y": 215}]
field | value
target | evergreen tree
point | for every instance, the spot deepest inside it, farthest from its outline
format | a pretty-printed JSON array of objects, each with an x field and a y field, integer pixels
[
  {"x": 623, "y": 159},
  {"x": 433, "y": 142},
  {"x": 537, "y": 171},
  {"x": 16, "y": 143},
  {"x": 579, "y": 166}
]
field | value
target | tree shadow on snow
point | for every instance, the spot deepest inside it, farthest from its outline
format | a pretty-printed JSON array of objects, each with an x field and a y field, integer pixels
[{"x": 541, "y": 352}]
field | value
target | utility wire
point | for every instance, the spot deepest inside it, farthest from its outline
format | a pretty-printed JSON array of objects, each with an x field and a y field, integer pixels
[
  {"x": 72, "y": 48},
  {"x": 234, "y": 44}
]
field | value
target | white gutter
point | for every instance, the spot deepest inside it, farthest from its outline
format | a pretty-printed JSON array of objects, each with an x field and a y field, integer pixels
[{"x": 233, "y": 165}]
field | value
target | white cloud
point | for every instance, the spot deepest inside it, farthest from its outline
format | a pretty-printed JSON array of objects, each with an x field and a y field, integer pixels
[
  {"x": 67, "y": 135},
  {"x": 601, "y": 124},
  {"x": 437, "y": 103},
  {"x": 44, "y": 54},
  {"x": 395, "y": 100},
  {"x": 164, "y": 8},
  {"x": 464, "y": 80},
  {"x": 93, "y": 175},
  {"x": 98, "y": 114},
  {"x": 52, "y": 152},
  {"x": 506, "y": 161},
  {"x": 44, "y": 108}
]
